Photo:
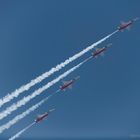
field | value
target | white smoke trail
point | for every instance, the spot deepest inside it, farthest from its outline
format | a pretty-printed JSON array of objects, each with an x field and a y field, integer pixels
[
  {"x": 21, "y": 132},
  {"x": 34, "y": 107},
  {"x": 26, "y": 99},
  {"x": 23, "y": 88},
  {"x": 22, "y": 115}
]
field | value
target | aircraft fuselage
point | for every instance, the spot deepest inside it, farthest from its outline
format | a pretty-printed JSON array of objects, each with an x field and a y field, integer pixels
[
  {"x": 98, "y": 52},
  {"x": 124, "y": 26},
  {"x": 67, "y": 85},
  {"x": 42, "y": 117}
]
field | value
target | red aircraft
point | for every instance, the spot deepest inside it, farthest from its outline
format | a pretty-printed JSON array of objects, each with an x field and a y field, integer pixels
[
  {"x": 68, "y": 84},
  {"x": 126, "y": 25},
  {"x": 43, "y": 116},
  {"x": 100, "y": 51}
]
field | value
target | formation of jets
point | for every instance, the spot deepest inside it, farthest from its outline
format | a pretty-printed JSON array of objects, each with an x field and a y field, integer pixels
[{"x": 95, "y": 54}]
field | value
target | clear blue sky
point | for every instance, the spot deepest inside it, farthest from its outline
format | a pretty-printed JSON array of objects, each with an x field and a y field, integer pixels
[{"x": 36, "y": 35}]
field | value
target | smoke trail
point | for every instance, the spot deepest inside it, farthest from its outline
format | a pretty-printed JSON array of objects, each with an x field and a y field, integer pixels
[
  {"x": 26, "y": 99},
  {"x": 34, "y": 107},
  {"x": 22, "y": 115},
  {"x": 22, "y": 131},
  {"x": 23, "y": 88}
]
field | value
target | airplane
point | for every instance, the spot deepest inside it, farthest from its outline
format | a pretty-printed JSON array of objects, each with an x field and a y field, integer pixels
[
  {"x": 68, "y": 84},
  {"x": 126, "y": 25},
  {"x": 100, "y": 51},
  {"x": 43, "y": 116}
]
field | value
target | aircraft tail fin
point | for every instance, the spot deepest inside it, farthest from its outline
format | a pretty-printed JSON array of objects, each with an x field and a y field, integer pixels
[
  {"x": 109, "y": 45},
  {"x": 76, "y": 78},
  {"x": 51, "y": 110}
]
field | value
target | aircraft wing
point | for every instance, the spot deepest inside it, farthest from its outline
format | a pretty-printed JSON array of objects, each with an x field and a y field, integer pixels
[
  {"x": 129, "y": 27},
  {"x": 65, "y": 82},
  {"x": 38, "y": 116},
  {"x": 123, "y": 23},
  {"x": 70, "y": 86},
  {"x": 102, "y": 54},
  {"x": 97, "y": 49}
]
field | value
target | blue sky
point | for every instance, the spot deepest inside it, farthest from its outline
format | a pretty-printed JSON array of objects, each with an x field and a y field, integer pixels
[{"x": 36, "y": 35}]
